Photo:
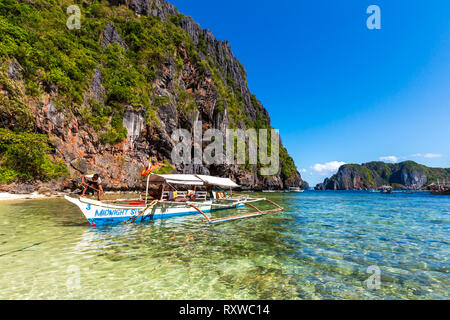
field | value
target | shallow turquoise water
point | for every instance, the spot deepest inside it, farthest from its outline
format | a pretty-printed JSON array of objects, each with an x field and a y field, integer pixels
[{"x": 320, "y": 247}]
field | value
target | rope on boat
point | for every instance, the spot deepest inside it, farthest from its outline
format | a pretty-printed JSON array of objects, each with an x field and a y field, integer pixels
[
  {"x": 22, "y": 249},
  {"x": 30, "y": 246},
  {"x": 248, "y": 215},
  {"x": 141, "y": 213}
]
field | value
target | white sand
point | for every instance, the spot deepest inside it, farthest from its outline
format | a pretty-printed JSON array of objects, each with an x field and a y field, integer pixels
[
  {"x": 12, "y": 196},
  {"x": 34, "y": 195}
]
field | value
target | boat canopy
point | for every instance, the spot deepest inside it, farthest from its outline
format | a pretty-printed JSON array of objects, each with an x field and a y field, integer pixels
[
  {"x": 185, "y": 179},
  {"x": 190, "y": 179},
  {"x": 216, "y": 181}
]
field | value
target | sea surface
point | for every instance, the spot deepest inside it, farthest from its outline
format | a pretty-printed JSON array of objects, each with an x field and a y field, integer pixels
[{"x": 325, "y": 245}]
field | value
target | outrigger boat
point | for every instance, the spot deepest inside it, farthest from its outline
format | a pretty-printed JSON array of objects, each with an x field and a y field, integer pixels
[
  {"x": 172, "y": 203},
  {"x": 440, "y": 189},
  {"x": 386, "y": 189}
]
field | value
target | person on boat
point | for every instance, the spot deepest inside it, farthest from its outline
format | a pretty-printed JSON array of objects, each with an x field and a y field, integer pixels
[
  {"x": 190, "y": 195},
  {"x": 156, "y": 193},
  {"x": 92, "y": 181},
  {"x": 221, "y": 194}
]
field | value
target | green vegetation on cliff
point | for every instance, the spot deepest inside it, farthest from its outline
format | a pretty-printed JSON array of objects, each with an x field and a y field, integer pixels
[
  {"x": 26, "y": 156},
  {"x": 61, "y": 62}
]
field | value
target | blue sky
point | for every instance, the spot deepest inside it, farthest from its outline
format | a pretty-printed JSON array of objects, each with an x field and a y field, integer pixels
[{"x": 337, "y": 91}]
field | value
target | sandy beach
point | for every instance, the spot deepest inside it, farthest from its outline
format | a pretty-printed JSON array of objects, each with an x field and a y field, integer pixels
[{"x": 4, "y": 196}]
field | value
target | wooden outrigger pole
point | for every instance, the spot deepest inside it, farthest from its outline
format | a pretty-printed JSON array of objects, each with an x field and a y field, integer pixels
[
  {"x": 208, "y": 220},
  {"x": 258, "y": 213},
  {"x": 142, "y": 213}
]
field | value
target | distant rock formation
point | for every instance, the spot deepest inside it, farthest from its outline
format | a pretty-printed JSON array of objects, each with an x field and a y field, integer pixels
[{"x": 372, "y": 175}]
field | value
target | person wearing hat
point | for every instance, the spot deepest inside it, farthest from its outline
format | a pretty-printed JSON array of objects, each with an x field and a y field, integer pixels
[{"x": 93, "y": 181}]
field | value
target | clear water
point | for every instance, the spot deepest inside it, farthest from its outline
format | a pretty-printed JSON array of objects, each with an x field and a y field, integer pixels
[{"x": 320, "y": 247}]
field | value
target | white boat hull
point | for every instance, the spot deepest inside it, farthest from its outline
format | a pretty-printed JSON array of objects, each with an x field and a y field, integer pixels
[{"x": 100, "y": 213}]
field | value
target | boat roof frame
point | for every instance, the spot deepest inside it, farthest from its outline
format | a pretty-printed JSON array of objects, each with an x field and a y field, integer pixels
[{"x": 191, "y": 180}]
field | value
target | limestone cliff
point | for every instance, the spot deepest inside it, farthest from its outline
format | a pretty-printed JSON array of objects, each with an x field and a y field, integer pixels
[
  {"x": 404, "y": 175},
  {"x": 110, "y": 94}
]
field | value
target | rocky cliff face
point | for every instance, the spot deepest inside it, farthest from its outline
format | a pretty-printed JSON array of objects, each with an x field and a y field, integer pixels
[
  {"x": 114, "y": 133},
  {"x": 368, "y": 176},
  {"x": 347, "y": 178}
]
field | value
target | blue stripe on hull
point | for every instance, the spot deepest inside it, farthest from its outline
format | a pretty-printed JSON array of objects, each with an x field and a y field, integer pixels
[{"x": 117, "y": 220}]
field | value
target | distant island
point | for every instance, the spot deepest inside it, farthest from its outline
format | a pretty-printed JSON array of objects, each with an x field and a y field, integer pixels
[{"x": 407, "y": 175}]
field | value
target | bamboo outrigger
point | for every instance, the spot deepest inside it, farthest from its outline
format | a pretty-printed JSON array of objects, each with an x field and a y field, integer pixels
[{"x": 172, "y": 203}]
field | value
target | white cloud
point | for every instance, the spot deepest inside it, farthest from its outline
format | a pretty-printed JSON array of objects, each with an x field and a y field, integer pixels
[
  {"x": 389, "y": 158},
  {"x": 432, "y": 155},
  {"x": 327, "y": 168},
  {"x": 427, "y": 155},
  {"x": 303, "y": 170}
]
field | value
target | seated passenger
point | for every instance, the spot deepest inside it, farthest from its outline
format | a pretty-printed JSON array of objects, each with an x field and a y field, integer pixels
[{"x": 190, "y": 195}]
